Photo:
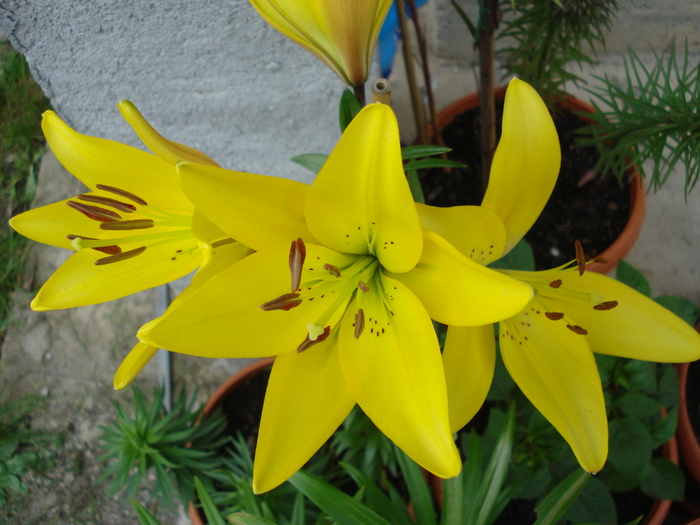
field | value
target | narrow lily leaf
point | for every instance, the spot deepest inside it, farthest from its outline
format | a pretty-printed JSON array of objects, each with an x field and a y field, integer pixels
[
  {"x": 496, "y": 470},
  {"x": 432, "y": 163},
  {"x": 311, "y": 161},
  {"x": 560, "y": 499},
  {"x": 426, "y": 150},
  {"x": 338, "y": 505},
  {"x": 243, "y": 518},
  {"x": 212, "y": 513},
  {"x": 417, "y": 489},
  {"x": 145, "y": 517},
  {"x": 416, "y": 188},
  {"x": 453, "y": 500},
  {"x": 349, "y": 107}
]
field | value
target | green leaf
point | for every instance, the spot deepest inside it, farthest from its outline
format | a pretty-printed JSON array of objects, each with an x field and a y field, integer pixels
[
  {"x": 519, "y": 258},
  {"x": 414, "y": 152},
  {"x": 243, "y": 518},
  {"x": 425, "y": 164},
  {"x": 560, "y": 499},
  {"x": 338, "y": 505},
  {"x": 682, "y": 307},
  {"x": 418, "y": 489},
  {"x": 630, "y": 445},
  {"x": 665, "y": 481},
  {"x": 311, "y": 161},
  {"x": 639, "y": 375},
  {"x": 145, "y": 517},
  {"x": 629, "y": 275},
  {"x": 453, "y": 500},
  {"x": 663, "y": 430},
  {"x": 349, "y": 107},
  {"x": 638, "y": 405},
  {"x": 593, "y": 505},
  {"x": 210, "y": 510},
  {"x": 416, "y": 188}
]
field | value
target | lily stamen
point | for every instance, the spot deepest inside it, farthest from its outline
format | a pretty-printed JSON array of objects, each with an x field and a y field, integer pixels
[
  {"x": 554, "y": 316},
  {"x": 122, "y": 193},
  {"x": 359, "y": 323},
  {"x": 106, "y": 201},
  {"x": 556, "y": 283},
  {"x": 284, "y": 302},
  {"x": 363, "y": 286},
  {"x": 137, "y": 224},
  {"x": 577, "y": 329},
  {"x": 308, "y": 342},
  {"x": 580, "y": 257},
  {"x": 297, "y": 256},
  {"x": 95, "y": 213},
  {"x": 607, "y": 305},
  {"x": 333, "y": 270},
  {"x": 120, "y": 257}
]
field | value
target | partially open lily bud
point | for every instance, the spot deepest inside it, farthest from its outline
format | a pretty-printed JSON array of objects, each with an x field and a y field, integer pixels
[{"x": 341, "y": 33}]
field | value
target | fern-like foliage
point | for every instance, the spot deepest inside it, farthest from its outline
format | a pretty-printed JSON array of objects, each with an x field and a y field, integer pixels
[
  {"x": 549, "y": 35},
  {"x": 655, "y": 117}
]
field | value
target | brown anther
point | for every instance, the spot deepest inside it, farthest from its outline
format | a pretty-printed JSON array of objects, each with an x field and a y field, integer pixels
[
  {"x": 577, "y": 329},
  {"x": 122, "y": 193},
  {"x": 601, "y": 260},
  {"x": 556, "y": 283},
  {"x": 554, "y": 316},
  {"x": 95, "y": 213},
  {"x": 333, "y": 270},
  {"x": 109, "y": 250},
  {"x": 306, "y": 343},
  {"x": 297, "y": 256},
  {"x": 606, "y": 305},
  {"x": 363, "y": 286},
  {"x": 106, "y": 201},
  {"x": 120, "y": 257},
  {"x": 580, "y": 257},
  {"x": 138, "y": 224},
  {"x": 284, "y": 302},
  {"x": 359, "y": 323},
  {"x": 72, "y": 237}
]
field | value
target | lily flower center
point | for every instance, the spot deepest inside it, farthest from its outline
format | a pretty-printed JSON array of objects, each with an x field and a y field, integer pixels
[{"x": 119, "y": 210}]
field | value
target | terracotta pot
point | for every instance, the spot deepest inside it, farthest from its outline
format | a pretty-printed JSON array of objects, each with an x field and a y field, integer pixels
[
  {"x": 621, "y": 247},
  {"x": 687, "y": 441},
  {"x": 224, "y": 391}
]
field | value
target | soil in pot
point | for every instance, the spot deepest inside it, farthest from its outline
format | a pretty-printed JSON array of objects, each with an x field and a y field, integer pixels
[{"x": 593, "y": 210}]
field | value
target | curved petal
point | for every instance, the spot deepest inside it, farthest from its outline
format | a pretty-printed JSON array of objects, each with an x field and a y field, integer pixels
[
  {"x": 555, "y": 369},
  {"x": 469, "y": 360},
  {"x": 257, "y": 210},
  {"x": 99, "y": 161},
  {"x": 305, "y": 402},
  {"x": 224, "y": 318},
  {"x": 526, "y": 163},
  {"x": 475, "y": 231},
  {"x": 79, "y": 281},
  {"x": 457, "y": 291},
  {"x": 360, "y": 202},
  {"x": 132, "y": 364},
  {"x": 638, "y": 327},
  {"x": 51, "y": 224},
  {"x": 394, "y": 372},
  {"x": 204, "y": 230},
  {"x": 167, "y": 150}
]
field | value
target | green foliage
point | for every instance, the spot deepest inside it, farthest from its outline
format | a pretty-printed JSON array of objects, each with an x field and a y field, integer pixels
[
  {"x": 178, "y": 446},
  {"x": 21, "y": 148},
  {"x": 21, "y": 448},
  {"x": 519, "y": 258},
  {"x": 550, "y": 35},
  {"x": 655, "y": 117},
  {"x": 349, "y": 107}
]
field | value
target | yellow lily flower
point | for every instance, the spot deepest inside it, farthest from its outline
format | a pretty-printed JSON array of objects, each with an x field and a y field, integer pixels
[
  {"x": 133, "y": 230},
  {"x": 548, "y": 347},
  {"x": 340, "y": 33},
  {"x": 347, "y": 310}
]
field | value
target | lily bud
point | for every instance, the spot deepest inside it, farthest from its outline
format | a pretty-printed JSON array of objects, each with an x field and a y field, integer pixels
[{"x": 341, "y": 33}]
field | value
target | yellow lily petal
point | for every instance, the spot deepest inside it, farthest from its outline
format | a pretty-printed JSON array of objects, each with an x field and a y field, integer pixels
[
  {"x": 80, "y": 281},
  {"x": 360, "y": 202},
  {"x": 526, "y": 163},
  {"x": 133, "y": 364},
  {"x": 394, "y": 372},
  {"x": 167, "y": 150},
  {"x": 256, "y": 210},
  {"x": 457, "y": 291},
  {"x": 475, "y": 231},
  {"x": 205, "y": 230},
  {"x": 223, "y": 317},
  {"x": 99, "y": 161},
  {"x": 469, "y": 360},
  {"x": 305, "y": 402},
  {"x": 637, "y": 327},
  {"x": 554, "y": 367},
  {"x": 50, "y": 224}
]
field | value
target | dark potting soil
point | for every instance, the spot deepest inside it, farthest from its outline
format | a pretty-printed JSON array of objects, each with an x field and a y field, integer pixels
[
  {"x": 692, "y": 392},
  {"x": 593, "y": 210},
  {"x": 244, "y": 410}
]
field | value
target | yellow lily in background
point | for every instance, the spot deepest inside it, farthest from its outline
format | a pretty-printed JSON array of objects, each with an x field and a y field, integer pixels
[
  {"x": 347, "y": 310},
  {"x": 133, "y": 230},
  {"x": 548, "y": 347},
  {"x": 340, "y": 33}
]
